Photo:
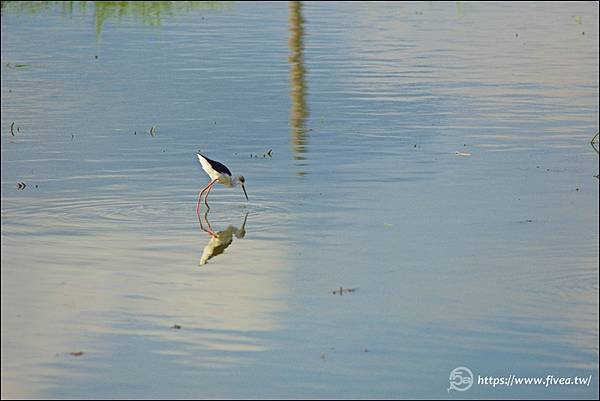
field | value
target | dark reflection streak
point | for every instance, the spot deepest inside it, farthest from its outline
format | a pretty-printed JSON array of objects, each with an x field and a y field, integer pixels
[
  {"x": 298, "y": 111},
  {"x": 220, "y": 240}
]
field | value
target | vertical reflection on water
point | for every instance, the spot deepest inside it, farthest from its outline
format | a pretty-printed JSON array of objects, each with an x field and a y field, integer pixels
[{"x": 298, "y": 111}]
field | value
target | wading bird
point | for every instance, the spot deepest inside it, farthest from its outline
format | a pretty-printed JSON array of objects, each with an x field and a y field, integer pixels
[{"x": 217, "y": 172}]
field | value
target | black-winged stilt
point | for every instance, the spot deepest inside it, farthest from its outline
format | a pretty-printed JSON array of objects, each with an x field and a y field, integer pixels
[{"x": 217, "y": 172}]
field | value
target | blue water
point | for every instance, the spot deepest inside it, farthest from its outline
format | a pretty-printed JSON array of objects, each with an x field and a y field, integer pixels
[{"x": 435, "y": 157}]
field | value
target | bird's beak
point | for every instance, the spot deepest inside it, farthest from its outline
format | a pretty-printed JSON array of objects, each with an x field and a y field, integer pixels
[{"x": 244, "y": 188}]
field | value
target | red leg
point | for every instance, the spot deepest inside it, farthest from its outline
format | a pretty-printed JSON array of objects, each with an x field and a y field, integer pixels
[
  {"x": 206, "y": 197},
  {"x": 200, "y": 196}
]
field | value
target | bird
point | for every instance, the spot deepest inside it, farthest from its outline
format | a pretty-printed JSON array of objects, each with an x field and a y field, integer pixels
[{"x": 217, "y": 172}]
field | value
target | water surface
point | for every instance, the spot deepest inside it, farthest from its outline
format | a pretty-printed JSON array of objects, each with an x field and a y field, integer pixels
[{"x": 435, "y": 156}]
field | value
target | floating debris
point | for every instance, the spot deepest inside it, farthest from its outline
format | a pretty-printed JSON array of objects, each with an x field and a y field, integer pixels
[
  {"x": 594, "y": 142},
  {"x": 77, "y": 353},
  {"x": 526, "y": 221},
  {"x": 18, "y": 65},
  {"x": 153, "y": 130},
  {"x": 269, "y": 153},
  {"x": 342, "y": 290}
]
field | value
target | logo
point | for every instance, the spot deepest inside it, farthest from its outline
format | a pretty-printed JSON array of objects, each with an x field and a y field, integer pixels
[{"x": 461, "y": 379}]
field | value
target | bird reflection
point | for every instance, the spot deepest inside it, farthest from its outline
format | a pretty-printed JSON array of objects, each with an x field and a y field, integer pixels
[
  {"x": 298, "y": 111},
  {"x": 219, "y": 240}
]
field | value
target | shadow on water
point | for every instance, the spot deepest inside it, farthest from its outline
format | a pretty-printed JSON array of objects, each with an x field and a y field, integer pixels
[
  {"x": 298, "y": 111},
  {"x": 146, "y": 12},
  {"x": 219, "y": 240}
]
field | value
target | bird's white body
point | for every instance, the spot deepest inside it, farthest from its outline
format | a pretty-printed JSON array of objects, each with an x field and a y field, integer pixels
[{"x": 222, "y": 178}]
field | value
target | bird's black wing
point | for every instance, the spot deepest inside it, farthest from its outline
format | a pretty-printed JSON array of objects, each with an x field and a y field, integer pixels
[{"x": 219, "y": 167}]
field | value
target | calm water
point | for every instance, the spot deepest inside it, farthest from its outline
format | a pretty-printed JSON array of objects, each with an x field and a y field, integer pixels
[{"x": 434, "y": 156}]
